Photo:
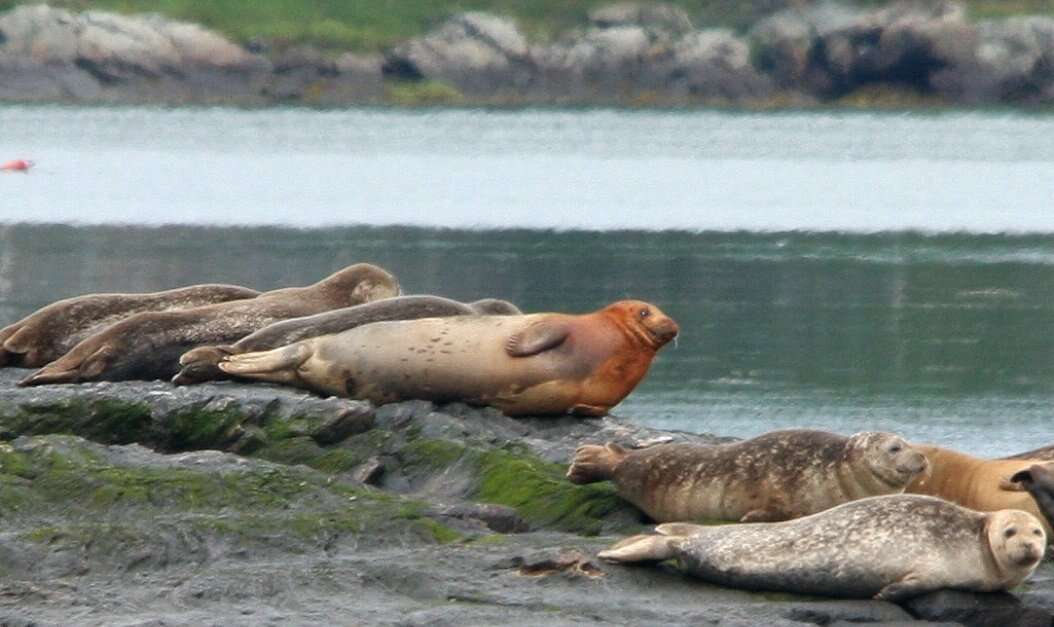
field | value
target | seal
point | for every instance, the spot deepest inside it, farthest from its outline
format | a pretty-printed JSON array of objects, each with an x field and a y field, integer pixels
[
  {"x": 775, "y": 476},
  {"x": 981, "y": 484},
  {"x": 884, "y": 547},
  {"x": 148, "y": 345},
  {"x": 201, "y": 364},
  {"x": 547, "y": 363},
  {"x": 1038, "y": 480},
  {"x": 51, "y": 331},
  {"x": 1045, "y": 453}
]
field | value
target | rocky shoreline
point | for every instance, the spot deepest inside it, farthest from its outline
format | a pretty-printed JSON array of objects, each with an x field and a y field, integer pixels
[
  {"x": 908, "y": 53},
  {"x": 146, "y": 504}
]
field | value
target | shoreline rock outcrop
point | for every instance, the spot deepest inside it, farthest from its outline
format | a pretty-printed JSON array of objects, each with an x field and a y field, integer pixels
[
  {"x": 142, "y": 503},
  {"x": 632, "y": 54}
]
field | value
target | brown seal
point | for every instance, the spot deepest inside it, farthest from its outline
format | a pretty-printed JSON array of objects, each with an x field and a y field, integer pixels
[
  {"x": 981, "y": 484},
  {"x": 51, "y": 331},
  {"x": 200, "y": 364},
  {"x": 1045, "y": 453},
  {"x": 775, "y": 476},
  {"x": 148, "y": 345},
  {"x": 884, "y": 547},
  {"x": 532, "y": 364}
]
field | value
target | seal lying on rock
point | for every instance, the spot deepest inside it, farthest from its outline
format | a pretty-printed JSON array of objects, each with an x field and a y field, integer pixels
[
  {"x": 886, "y": 547},
  {"x": 775, "y": 476},
  {"x": 981, "y": 484},
  {"x": 148, "y": 345},
  {"x": 1045, "y": 453},
  {"x": 1038, "y": 481},
  {"x": 200, "y": 364},
  {"x": 51, "y": 331},
  {"x": 546, "y": 363}
]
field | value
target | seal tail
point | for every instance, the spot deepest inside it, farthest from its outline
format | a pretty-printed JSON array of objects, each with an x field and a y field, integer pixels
[
  {"x": 593, "y": 462},
  {"x": 277, "y": 365},
  {"x": 642, "y": 549}
]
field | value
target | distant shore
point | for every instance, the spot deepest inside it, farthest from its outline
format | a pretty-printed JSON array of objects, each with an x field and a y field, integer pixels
[{"x": 932, "y": 53}]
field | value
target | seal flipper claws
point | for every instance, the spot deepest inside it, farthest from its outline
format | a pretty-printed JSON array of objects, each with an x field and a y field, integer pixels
[
  {"x": 679, "y": 529},
  {"x": 536, "y": 338}
]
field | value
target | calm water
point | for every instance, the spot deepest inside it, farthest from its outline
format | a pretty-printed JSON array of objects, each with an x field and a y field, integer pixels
[{"x": 804, "y": 298}]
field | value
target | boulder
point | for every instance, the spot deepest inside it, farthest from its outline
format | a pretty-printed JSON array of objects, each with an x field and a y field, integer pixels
[
  {"x": 475, "y": 52},
  {"x": 659, "y": 18},
  {"x": 710, "y": 64}
]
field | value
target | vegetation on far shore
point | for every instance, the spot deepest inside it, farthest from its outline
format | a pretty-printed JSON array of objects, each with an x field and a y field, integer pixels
[{"x": 373, "y": 25}]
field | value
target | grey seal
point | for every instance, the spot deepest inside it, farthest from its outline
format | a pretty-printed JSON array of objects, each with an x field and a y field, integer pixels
[{"x": 886, "y": 547}]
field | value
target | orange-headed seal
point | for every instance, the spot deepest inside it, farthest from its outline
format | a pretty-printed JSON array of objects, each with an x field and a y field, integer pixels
[{"x": 546, "y": 363}]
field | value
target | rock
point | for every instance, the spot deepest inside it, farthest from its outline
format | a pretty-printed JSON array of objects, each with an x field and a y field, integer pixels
[
  {"x": 657, "y": 17},
  {"x": 1014, "y": 62},
  {"x": 977, "y": 609},
  {"x": 710, "y": 64},
  {"x": 475, "y": 52},
  {"x": 476, "y": 524}
]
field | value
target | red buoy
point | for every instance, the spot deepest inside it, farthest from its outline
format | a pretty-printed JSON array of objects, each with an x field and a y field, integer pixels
[{"x": 17, "y": 165}]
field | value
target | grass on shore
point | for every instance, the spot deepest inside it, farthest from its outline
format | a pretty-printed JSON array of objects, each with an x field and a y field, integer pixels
[{"x": 372, "y": 25}]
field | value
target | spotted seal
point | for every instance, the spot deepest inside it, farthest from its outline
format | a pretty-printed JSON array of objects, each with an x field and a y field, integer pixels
[
  {"x": 775, "y": 476},
  {"x": 885, "y": 547},
  {"x": 49, "y": 332},
  {"x": 200, "y": 364},
  {"x": 148, "y": 345}
]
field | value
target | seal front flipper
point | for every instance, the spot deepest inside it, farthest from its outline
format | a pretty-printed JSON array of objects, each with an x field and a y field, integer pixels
[
  {"x": 279, "y": 365},
  {"x": 536, "y": 338},
  {"x": 201, "y": 364}
]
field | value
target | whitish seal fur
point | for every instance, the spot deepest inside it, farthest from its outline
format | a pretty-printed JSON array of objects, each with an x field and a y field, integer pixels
[
  {"x": 885, "y": 547},
  {"x": 775, "y": 476},
  {"x": 148, "y": 345},
  {"x": 532, "y": 364},
  {"x": 201, "y": 364},
  {"x": 51, "y": 331}
]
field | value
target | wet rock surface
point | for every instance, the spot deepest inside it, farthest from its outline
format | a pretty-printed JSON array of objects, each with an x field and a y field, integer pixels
[
  {"x": 142, "y": 503},
  {"x": 636, "y": 54}
]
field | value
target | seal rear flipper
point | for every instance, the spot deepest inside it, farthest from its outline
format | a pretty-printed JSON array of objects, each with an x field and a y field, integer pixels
[
  {"x": 593, "y": 462},
  {"x": 279, "y": 365},
  {"x": 201, "y": 364},
  {"x": 641, "y": 549},
  {"x": 536, "y": 338}
]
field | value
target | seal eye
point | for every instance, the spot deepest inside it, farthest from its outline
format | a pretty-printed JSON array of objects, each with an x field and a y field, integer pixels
[
  {"x": 644, "y": 313},
  {"x": 1010, "y": 533},
  {"x": 895, "y": 448},
  {"x": 1036, "y": 532}
]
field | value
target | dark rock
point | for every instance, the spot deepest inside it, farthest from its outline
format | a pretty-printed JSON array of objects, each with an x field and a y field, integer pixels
[{"x": 974, "y": 609}]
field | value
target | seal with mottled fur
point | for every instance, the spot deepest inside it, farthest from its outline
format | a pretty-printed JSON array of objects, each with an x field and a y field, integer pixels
[
  {"x": 884, "y": 547},
  {"x": 775, "y": 476},
  {"x": 51, "y": 331},
  {"x": 982, "y": 484},
  {"x": 148, "y": 345},
  {"x": 546, "y": 363},
  {"x": 200, "y": 364}
]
